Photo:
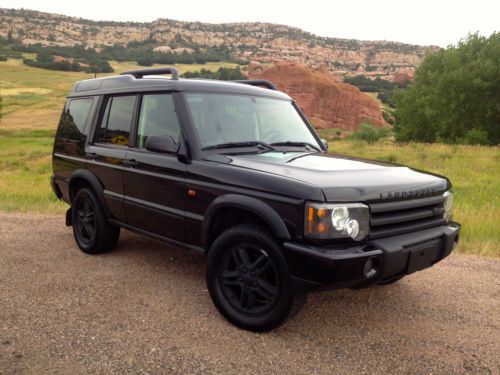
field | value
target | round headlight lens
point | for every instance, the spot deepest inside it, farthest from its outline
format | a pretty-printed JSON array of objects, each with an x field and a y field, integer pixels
[
  {"x": 340, "y": 215},
  {"x": 352, "y": 228}
]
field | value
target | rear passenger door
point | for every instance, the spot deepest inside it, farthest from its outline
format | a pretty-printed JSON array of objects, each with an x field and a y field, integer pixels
[
  {"x": 155, "y": 182},
  {"x": 107, "y": 153}
]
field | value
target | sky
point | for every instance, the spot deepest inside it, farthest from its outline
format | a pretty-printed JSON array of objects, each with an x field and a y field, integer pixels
[{"x": 423, "y": 22}]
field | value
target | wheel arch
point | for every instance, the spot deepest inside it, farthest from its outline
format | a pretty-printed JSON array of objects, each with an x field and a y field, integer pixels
[
  {"x": 255, "y": 207},
  {"x": 83, "y": 177}
]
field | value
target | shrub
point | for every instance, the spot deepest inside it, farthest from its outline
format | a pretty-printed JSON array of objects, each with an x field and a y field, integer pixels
[
  {"x": 226, "y": 74},
  {"x": 476, "y": 137},
  {"x": 370, "y": 134}
]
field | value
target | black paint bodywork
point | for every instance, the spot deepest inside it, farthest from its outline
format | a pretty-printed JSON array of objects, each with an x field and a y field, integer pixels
[{"x": 151, "y": 192}]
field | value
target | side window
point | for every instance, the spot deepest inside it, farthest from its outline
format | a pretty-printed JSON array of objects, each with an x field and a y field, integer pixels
[
  {"x": 117, "y": 120},
  {"x": 157, "y": 117},
  {"x": 75, "y": 117}
]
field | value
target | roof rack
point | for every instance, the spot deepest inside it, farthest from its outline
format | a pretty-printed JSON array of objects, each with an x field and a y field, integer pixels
[
  {"x": 150, "y": 72},
  {"x": 258, "y": 82}
]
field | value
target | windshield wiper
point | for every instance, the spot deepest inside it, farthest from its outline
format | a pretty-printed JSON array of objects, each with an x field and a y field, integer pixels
[
  {"x": 239, "y": 144},
  {"x": 298, "y": 144}
]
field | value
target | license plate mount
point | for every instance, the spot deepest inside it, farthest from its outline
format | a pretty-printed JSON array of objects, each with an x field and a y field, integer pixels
[{"x": 423, "y": 255}]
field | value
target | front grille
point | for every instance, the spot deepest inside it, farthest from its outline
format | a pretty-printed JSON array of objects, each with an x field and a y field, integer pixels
[{"x": 391, "y": 218}]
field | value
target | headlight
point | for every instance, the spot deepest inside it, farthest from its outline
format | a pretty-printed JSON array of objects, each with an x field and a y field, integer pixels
[
  {"x": 448, "y": 206},
  {"x": 337, "y": 220}
]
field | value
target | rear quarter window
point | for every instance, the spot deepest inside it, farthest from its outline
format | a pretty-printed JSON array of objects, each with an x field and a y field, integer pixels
[
  {"x": 117, "y": 120},
  {"x": 75, "y": 118}
]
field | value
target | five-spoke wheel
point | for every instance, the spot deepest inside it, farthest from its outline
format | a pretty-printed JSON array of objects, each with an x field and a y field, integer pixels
[
  {"x": 93, "y": 233},
  {"x": 248, "y": 278}
]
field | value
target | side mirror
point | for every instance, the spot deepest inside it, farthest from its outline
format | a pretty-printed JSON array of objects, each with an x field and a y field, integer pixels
[
  {"x": 161, "y": 143},
  {"x": 325, "y": 143}
]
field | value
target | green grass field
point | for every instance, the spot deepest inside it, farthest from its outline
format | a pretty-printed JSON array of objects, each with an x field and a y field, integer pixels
[{"x": 32, "y": 103}]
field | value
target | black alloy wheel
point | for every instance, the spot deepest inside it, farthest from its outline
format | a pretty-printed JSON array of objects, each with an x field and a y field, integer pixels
[
  {"x": 92, "y": 231},
  {"x": 248, "y": 278},
  {"x": 85, "y": 224}
]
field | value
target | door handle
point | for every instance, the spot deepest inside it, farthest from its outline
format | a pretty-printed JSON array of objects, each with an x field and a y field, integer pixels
[
  {"x": 130, "y": 163},
  {"x": 91, "y": 155}
]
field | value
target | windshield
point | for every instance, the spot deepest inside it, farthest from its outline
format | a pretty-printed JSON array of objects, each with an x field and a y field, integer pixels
[{"x": 224, "y": 119}]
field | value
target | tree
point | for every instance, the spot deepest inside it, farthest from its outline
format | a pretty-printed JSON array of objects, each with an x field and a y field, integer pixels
[{"x": 455, "y": 91}]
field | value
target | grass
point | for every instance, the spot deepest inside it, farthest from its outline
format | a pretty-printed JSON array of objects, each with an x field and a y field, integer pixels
[
  {"x": 32, "y": 103},
  {"x": 25, "y": 167}
]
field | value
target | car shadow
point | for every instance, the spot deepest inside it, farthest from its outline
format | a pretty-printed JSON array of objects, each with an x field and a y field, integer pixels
[{"x": 323, "y": 313}]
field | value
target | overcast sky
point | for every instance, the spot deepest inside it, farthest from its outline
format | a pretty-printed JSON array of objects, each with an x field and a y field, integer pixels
[{"x": 425, "y": 22}]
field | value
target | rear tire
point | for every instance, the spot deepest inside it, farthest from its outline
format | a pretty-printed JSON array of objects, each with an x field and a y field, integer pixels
[
  {"x": 248, "y": 278},
  {"x": 91, "y": 229}
]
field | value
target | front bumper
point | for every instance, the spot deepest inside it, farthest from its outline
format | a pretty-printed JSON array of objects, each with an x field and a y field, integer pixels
[{"x": 331, "y": 267}]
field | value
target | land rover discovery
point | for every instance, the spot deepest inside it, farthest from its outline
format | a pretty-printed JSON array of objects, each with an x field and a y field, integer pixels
[{"x": 236, "y": 171}]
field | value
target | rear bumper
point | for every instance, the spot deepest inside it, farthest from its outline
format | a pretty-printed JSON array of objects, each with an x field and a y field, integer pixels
[{"x": 330, "y": 267}]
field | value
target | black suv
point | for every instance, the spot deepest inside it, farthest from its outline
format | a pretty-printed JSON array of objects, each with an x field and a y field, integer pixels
[{"x": 237, "y": 171}]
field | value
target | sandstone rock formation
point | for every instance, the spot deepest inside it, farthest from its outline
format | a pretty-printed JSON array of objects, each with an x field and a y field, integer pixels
[
  {"x": 327, "y": 102},
  {"x": 251, "y": 41}
]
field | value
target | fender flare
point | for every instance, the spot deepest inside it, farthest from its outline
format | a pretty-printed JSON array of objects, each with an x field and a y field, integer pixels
[
  {"x": 94, "y": 182},
  {"x": 253, "y": 205}
]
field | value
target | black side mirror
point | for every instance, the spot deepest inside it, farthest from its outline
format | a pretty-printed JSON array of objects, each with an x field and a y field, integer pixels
[
  {"x": 325, "y": 143},
  {"x": 161, "y": 143}
]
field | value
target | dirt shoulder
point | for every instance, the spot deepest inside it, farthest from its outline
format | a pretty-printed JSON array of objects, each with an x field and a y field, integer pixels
[{"x": 144, "y": 308}]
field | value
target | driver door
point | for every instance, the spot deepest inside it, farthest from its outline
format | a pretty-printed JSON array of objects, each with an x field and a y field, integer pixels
[{"x": 155, "y": 182}]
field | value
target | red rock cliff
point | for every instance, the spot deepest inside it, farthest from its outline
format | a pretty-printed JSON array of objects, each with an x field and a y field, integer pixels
[{"x": 325, "y": 101}]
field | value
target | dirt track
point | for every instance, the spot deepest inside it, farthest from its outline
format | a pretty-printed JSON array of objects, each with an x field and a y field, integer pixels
[{"x": 144, "y": 308}]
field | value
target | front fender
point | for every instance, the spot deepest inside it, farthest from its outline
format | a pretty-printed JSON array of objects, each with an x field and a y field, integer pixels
[{"x": 253, "y": 205}]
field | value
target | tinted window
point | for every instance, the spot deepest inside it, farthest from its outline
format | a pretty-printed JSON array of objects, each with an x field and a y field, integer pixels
[
  {"x": 157, "y": 117},
  {"x": 117, "y": 119},
  {"x": 75, "y": 118}
]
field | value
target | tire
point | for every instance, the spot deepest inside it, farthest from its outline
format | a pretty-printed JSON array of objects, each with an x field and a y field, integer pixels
[
  {"x": 91, "y": 229},
  {"x": 248, "y": 279}
]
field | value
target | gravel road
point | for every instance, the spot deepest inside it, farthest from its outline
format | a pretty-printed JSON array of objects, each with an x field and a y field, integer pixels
[{"x": 144, "y": 308}]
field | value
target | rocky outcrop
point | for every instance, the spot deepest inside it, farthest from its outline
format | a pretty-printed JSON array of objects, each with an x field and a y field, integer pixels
[
  {"x": 327, "y": 102},
  {"x": 251, "y": 41}
]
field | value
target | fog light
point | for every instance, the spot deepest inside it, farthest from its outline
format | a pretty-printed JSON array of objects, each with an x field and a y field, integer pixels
[{"x": 369, "y": 268}]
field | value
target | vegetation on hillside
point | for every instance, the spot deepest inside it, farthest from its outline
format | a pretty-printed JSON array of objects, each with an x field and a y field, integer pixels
[
  {"x": 385, "y": 89},
  {"x": 84, "y": 58},
  {"x": 455, "y": 97},
  {"x": 225, "y": 74}
]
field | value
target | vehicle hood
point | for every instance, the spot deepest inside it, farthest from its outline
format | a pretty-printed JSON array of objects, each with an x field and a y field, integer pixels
[{"x": 342, "y": 178}]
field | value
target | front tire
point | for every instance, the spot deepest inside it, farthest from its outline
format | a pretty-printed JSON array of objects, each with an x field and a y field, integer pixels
[
  {"x": 91, "y": 229},
  {"x": 248, "y": 279}
]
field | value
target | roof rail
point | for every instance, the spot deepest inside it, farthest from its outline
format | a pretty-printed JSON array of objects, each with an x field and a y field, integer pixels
[
  {"x": 258, "y": 82},
  {"x": 150, "y": 72}
]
